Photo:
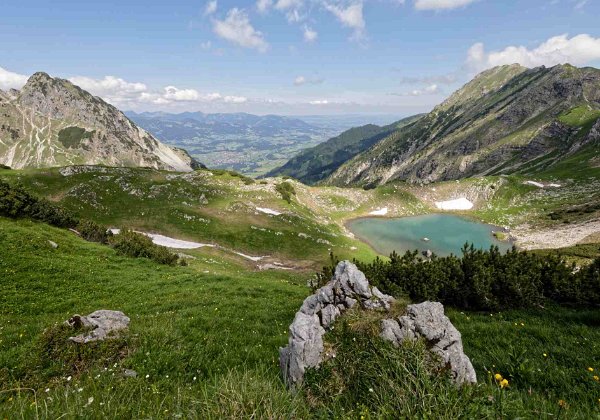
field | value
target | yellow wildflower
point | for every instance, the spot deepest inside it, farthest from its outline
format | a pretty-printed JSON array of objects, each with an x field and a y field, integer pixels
[
  {"x": 596, "y": 378},
  {"x": 562, "y": 403},
  {"x": 591, "y": 369},
  {"x": 498, "y": 377},
  {"x": 545, "y": 355},
  {"x": 503, "y": 383}
]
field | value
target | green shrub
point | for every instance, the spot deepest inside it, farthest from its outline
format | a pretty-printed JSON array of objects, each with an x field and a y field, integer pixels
[
  {"x": 133, "y": 244},
  {"x": 245, "y": 179},
  {"x": 483, "y": 280},
  {"x": 72, "y": 137},
  {"x": 16, "y": 202},
  {"x": 286, "y": 190},
  {"x": 93, "y": 232}
]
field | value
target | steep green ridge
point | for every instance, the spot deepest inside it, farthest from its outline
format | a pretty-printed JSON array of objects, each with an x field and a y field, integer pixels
[
  {"x": 508, "y": 119},
  {"x": 315, "y": 164}
]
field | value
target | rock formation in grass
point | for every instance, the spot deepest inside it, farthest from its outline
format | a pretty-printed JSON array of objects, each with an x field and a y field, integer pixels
[
  {"x": 427, "y": 321},
  {"x": 347, "y": 288},
  {"x": 98, "y": 325}
]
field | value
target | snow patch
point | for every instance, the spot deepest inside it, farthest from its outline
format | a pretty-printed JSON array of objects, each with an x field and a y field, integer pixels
[
  {"x": 268, "y": 211},
  {"x": 458, "y": 204},
  {"x": 379, "y": 212},
  {"x": 535, "y": 184},
  {"x": 540, "y": 185},
  {"x": 248, "y": 257},
  {"x": 169, "y": 242}
]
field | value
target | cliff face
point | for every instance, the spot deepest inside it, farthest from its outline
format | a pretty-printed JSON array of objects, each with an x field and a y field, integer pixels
[
  {"x": 508, "y": 119},
  {"x": 52, "y": 122}
]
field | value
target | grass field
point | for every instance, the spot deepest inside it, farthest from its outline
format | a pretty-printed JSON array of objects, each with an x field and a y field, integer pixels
[{"x": 203, "y": 340}]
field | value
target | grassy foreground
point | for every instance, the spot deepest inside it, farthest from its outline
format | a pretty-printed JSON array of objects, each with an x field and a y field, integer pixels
[{"x": 203, "y": 340}]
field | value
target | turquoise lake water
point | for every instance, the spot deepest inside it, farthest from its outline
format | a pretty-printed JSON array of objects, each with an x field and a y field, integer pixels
[{"x": 447, "y": 234}]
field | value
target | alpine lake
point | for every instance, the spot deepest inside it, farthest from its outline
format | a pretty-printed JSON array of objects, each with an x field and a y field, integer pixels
[{"x": 442, "y": 234}]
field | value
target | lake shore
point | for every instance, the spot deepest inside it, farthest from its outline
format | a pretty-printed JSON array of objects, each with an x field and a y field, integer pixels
[{"x": 529, "y": 237}]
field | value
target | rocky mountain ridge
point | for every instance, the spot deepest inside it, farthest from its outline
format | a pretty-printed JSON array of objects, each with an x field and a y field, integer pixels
[
  {"x": 52, "y": 122},
  {"x": 508, "y": 119}
]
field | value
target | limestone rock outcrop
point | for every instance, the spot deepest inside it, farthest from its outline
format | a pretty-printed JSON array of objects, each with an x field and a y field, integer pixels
[
  {"x": 427, "y": 320},
  {"x": 347, "y": 288},
  {"x": 98, "y": 325}
]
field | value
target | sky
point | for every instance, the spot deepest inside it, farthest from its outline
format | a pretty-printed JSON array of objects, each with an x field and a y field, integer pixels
[{"x": 292, "y": 57}]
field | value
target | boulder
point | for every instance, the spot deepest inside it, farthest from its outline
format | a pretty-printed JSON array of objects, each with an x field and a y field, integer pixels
[
  {"x": 98, "y": 325},
  {"x": 347, "y": 288},
  {"x": 427, "y": 321}
]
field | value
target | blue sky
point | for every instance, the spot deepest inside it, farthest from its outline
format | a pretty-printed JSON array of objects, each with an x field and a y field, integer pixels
[{"x": 288, "y": 56}]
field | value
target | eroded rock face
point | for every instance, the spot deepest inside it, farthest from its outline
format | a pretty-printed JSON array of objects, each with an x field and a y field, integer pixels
[
  {"x": 100, "y": 324},
  {"x": 347, "y": 288},
  {"x": 427, "y": 320}
]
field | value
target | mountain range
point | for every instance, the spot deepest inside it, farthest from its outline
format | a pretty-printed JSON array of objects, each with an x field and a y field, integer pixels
[
  {"x": 51, "y": 122},
  {"x": 509, "y": 119}
]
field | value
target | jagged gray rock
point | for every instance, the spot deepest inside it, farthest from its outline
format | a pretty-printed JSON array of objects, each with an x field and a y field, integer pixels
[
  {"x": 347, "y": 288},
  {"x": 99, "y": 325},
  {"x": 427, "y": 320}
]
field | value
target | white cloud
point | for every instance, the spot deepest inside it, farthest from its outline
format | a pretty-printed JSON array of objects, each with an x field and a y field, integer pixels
[
  {"x": 206, "y": 45},
  {"x": 578, "y": 50},
  {"x": 350, "y": 16},
  {"x": 301, "y": 80},
  {"x": 174, "y": 94},
  {"x": 10, "y": 80},
  {"x": 235, "y": 99},
  {"x": 264, "y": 5},
  {"x": 210, "y": 8},
  {"x": 441, "y": 4},
  {"x": 113, "y": 89},
  {"x": 310, "y": 35},
  {"x": 122, "y": 93},
  {"x": 236, "y": 28},
  {"x": 292, "y": 9},
  {"x": 319, "y": 102},
  {"x": 288, "y": 4}
]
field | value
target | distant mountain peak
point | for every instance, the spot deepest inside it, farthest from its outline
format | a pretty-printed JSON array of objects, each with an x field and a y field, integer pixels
[{"x": 52, "y": 122}]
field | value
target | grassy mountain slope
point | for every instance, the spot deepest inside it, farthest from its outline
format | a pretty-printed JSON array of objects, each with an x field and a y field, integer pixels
[
  {"x": 219, "y": 208},
  {"x": 52, "y": 122},
  {"x": 507, "y": 120},
  {"x": 204, "y": 342},
  {"x": 315, "y": 164},
  {"x": 214, "y": 208}
]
